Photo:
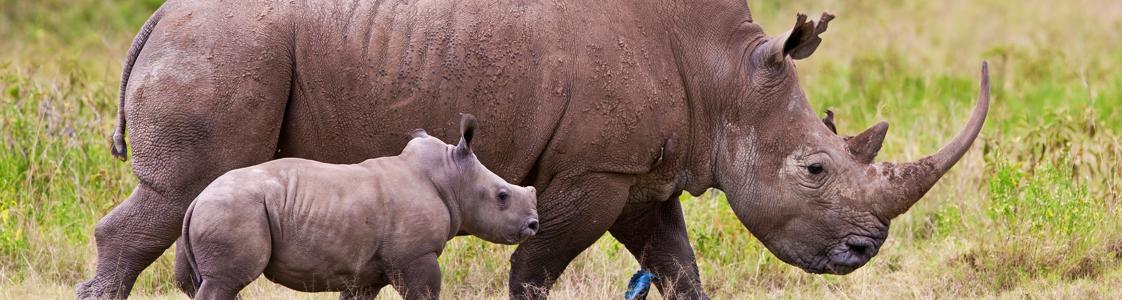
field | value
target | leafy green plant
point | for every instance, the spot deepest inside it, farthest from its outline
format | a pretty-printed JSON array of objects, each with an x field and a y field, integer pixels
[{"x": 1049, "y": 199}]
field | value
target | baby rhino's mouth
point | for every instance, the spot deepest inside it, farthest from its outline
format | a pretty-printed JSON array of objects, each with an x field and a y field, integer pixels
[{"x": 529, "y": 229}]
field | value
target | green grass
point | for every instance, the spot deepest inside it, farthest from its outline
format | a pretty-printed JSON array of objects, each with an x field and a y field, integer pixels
[{"x": 1032, "y": 211}]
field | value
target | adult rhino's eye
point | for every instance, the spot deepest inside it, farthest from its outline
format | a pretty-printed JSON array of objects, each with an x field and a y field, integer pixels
[
  {"x": 815, "y": 168},
  {"x": 503, "y": 195}
]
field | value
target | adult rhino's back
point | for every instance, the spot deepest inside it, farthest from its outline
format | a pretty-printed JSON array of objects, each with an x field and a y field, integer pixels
[
  {"x": 539, "y": 75},
  {"x": 369, "y": 72}
]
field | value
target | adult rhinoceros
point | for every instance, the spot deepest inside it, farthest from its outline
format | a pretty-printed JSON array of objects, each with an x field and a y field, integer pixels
[{"x": 610, "y": 108}]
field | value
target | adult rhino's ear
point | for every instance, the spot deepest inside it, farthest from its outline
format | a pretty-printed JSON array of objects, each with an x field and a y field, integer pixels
[
  {"x": 468, "y": 125},
  {"x": 865, "y": 146},
  {"x": 801, "y": 41}
]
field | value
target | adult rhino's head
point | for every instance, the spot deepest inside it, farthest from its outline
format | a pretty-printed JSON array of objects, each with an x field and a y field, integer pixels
[{"x": 815, "y": 199}]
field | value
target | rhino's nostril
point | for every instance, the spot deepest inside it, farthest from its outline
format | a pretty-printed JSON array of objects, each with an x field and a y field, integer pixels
[
  {"x": 861, "y": 246},
  {"x": 857, "y": 248},
  {"x": 532, "y": 225}
]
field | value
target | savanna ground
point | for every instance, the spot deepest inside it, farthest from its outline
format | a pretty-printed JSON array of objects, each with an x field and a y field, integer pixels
[{"x": 1032, "y": 211}]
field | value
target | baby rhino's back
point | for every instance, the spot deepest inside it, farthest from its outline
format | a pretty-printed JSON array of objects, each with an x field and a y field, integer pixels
[{"x": 329, "y": 226}]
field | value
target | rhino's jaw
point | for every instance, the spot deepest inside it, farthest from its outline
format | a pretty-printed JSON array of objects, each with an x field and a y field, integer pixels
[{"x": 839, "y": 258}]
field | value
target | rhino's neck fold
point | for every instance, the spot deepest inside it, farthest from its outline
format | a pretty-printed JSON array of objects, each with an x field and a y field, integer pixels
[
  {"x": 455, "y": 218},
  {"x": 710, "y": 68},
  {"x": 444, "y": 182}
]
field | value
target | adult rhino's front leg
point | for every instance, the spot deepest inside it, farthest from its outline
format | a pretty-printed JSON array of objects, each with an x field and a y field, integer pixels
[
  {"x": 655, "y": 233},
  {"x": 575, "y": 211}
]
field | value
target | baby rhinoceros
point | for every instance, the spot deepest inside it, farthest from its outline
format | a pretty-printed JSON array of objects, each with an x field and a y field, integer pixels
[{"x": 318, "y": 227}]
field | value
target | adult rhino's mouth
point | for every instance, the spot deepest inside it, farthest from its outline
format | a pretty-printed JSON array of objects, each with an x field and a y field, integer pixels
[
  {"x": 853, "y": 252},
  {"x": 817, "y": 265}
]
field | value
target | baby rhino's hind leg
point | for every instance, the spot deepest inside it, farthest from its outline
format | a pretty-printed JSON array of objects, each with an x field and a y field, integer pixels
[
  {"x": 230, "y": 242},
  {"x": 183, "y": 271}
]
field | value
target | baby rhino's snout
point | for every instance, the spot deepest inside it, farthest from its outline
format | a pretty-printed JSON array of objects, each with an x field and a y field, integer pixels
[
  {"x": 530, "y": 225},
  {"x": 529, "y": 229}
]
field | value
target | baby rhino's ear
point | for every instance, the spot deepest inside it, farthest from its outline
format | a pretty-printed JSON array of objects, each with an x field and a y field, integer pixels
[
  {"x": 468, "y": 124},
  {"x": 418, "y": 133}
]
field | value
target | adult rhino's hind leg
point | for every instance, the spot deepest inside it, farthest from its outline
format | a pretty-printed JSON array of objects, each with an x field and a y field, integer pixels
[
  {"x": 173, "y": 169},
  {"x": 192, "y": 115},
  {"x": 138, "y": 230},
  {"x": 655, "y": 233},
  {"x": 130, "y": 238},
  {"x": 575, "y": 212}
]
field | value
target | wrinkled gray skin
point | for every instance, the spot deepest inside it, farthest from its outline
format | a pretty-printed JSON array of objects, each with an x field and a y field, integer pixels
[
  {"x": 319, "y": 227},
  {"x": 610, "y": 108}
]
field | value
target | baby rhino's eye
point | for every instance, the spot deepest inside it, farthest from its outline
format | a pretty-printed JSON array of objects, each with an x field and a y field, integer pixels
[{"x": 503, "y": 195}]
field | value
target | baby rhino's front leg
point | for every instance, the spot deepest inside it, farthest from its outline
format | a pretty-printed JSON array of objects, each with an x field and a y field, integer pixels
[{"x": 419, "y": 279}]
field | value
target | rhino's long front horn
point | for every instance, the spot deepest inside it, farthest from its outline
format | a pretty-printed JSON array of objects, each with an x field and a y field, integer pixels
[{"x": 906, "y": 183}]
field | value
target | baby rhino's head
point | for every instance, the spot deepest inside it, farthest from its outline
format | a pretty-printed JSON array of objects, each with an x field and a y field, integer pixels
[{"x": 490, "y": 208}]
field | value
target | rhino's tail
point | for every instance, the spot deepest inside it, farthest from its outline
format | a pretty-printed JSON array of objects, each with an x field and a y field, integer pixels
[
  {"x": 119, "y": 148},
  {"x": 196, "y": 278}
]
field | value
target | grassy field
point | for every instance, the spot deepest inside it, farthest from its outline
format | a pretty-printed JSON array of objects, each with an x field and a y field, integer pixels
[{"x": 1033, "y": 211}]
